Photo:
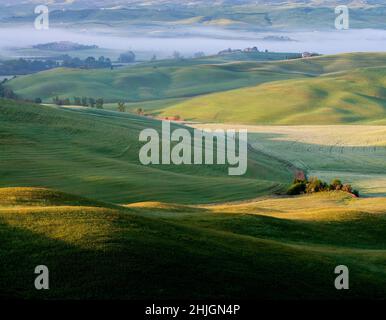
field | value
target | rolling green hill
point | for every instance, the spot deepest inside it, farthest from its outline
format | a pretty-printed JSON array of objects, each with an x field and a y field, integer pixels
[
  {"x": 356, "y": 96},
  {"x": 95, "y": 153},
  {"x": 148, "y": 81},
  {"x": 269, "y": 249},
  {"x": 326, "y": 89}
]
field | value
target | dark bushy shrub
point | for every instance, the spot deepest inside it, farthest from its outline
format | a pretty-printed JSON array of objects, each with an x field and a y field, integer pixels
[
  {"x": 347, "y": 188},
  {"x": 314, "y": 185},
  {"x": 336, "y": 184},
  {"x": 296, "y": 189}
]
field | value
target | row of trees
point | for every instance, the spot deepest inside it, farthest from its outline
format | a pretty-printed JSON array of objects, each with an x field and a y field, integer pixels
[
  {"x": 24, "y": 66},
  {"x": 88, "y": 63},
  {"x": 90, "y": 102},
  {"x": 178, "y": 56},
  {"x": 122, "y": 108},
  {"x": 314, "y": 185},
  {"x": 28, "y": 66},
  {"x": 80, "y": 101}
]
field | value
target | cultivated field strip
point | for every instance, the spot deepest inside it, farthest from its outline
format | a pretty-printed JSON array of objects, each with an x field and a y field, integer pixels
[
  {"x": 95, "y": 154},
  {"x": 354, "y": 153}
]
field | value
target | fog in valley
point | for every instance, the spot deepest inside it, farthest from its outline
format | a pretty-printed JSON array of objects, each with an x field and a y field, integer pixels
[{"x": 190, "y": 40}]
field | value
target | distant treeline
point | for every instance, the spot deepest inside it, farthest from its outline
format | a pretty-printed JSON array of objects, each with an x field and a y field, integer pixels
[
  {"x": 63, "y": 46},
  {"x": 24, "y": 66},
  {"x": 88, "y": 63},
  {"x": 78, "y": 101}
]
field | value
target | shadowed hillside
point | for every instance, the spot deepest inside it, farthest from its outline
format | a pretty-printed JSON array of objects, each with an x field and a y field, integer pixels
[{"x": 272, "y": 249}]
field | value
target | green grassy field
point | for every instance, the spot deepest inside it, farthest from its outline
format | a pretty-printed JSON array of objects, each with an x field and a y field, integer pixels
[
  {"x": 95, "y": 154},
  {"x": 355, "y": 96},
  {"x": 274, "y": 248}
]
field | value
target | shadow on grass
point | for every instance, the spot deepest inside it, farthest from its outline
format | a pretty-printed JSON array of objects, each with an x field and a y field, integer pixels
[{"x": 151, "y": 259}]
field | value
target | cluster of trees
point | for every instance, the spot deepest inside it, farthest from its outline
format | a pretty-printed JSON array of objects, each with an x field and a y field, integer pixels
[
  {"x": 79, "y": 101},
  {"x": 314, "y": 185},
  {"x": 121, "y": 107},
  {"x": 140, "y": 111},
  {"x": 199, "y": 54},
  {"x": 127, "y": 57},
  {"x": 6, "y": 92},
  {"x": 63, "y": 46},
  {"x": 24, "y": 66},
  {"x": 88, "y": 63},
  {"x": 177, "y": 55}
]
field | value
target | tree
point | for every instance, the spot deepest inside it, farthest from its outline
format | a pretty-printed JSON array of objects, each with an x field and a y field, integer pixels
[
  {"x": 139, "y": 111},
  {"x": 297, "y": 188},
  {"x": 176, "y": 55},
  {"x": 199, "y": 54},
  {"x": 121, "y": 107},
  {"x": 84, "y": 102},
  {"x": 127, "y": 57},
  {"x": 99, "y": 103},
  {"x": 77, "y": 101},
  {"x": 336, "y": 184},
  {"x": 57, "y": 101},
  {"x": 315, "y": 185},
  {"x": 90, "y": 62},
  {"x": 7, "y": 93},
  {"x": 347, "y": 188},
  {"x": 91, "y": 102}
]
